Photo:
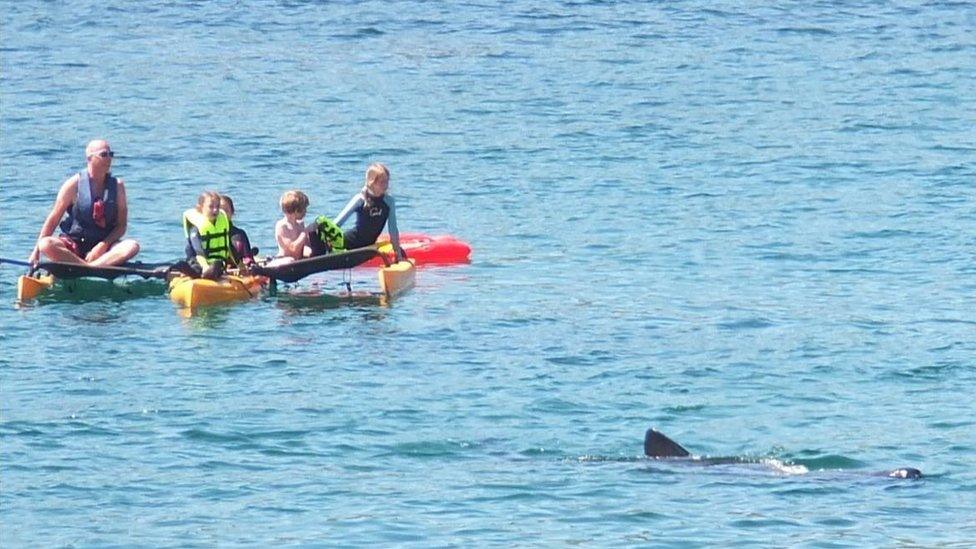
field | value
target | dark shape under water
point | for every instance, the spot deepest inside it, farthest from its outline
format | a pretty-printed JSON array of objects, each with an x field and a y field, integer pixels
[
  {"x": 84, "y": 290},
  {"x": 659, "y": 446}
]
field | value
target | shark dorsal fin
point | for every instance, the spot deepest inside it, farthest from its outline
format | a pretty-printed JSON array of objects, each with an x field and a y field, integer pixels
[{"x": 656, "y": 445}]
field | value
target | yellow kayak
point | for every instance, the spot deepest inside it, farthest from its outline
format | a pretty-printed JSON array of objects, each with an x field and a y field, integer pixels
[
  {"x": 397, "y": 278},
  {"x": 29, "y": 287},
  {"x": 201, "y": 292}
]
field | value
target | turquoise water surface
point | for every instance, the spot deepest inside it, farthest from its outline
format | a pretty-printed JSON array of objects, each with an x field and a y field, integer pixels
[{"x": 750, "y": 227}]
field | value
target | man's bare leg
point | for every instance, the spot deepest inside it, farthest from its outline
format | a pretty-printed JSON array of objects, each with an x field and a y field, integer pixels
[
  {"x": 55, "y": 250},
  {"x": 119, "y": 253}
]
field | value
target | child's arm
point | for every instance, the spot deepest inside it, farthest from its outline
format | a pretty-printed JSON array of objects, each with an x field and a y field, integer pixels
[
  {"x": 351, "y": 206},
  {"x": 280, "y": 238},
  {"x": 196, "y": 244},
  {"x": 391, "y": 225},
  {"x": 292, "y": 247}
]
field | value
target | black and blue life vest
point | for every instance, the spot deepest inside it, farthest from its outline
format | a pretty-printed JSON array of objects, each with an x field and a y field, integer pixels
[{"x": 81, "y": 223}]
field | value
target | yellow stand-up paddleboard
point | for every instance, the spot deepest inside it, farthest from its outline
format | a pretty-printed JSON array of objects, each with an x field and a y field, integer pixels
[
  {"x": 29, "y": 287},
  {"x": 201, "y": 292},
  {"x": 397, "y": 278}
]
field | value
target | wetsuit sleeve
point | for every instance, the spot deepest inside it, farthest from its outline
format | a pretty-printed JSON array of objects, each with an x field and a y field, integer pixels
[
  {"x": 196, "y": 245},
  {"x": 391, "y": 225},
  {"x": 353, "y": 204}
]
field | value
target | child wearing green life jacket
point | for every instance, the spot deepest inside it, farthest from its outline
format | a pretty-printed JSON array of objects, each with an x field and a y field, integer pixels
[{"x": 208, "y": 245}]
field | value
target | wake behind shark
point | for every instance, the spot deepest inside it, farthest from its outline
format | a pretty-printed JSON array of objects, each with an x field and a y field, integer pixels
[{"x": 659, "y": 446}]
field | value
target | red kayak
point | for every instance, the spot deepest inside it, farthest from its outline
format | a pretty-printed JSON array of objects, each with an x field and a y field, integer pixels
[{"x": 425, "y": 250}]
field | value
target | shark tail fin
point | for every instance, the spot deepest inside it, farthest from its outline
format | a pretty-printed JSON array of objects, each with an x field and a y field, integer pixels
[{"x": 905, "y": 472}]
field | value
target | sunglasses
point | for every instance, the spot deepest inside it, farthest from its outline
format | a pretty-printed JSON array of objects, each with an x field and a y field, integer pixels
[{"x": 105, "y": 154}]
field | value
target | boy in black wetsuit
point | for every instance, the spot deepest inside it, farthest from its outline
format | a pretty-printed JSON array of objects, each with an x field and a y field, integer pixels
[{"x": 240, "y": 245}]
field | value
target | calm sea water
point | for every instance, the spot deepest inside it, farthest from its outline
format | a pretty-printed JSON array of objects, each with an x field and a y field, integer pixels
[{"x": 750, "y": 227}]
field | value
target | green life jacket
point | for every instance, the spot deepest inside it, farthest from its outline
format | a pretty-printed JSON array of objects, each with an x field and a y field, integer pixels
[
  {"x": 215, "y": 236},
  {"x": 330, "y": 233}
]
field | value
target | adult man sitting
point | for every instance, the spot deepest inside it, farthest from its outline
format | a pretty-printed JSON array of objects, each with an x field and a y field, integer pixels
[{"x": 97, "y": 216}]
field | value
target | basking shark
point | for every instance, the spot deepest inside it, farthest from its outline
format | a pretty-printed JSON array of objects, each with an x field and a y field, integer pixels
[{"x": 659, "y": 446}]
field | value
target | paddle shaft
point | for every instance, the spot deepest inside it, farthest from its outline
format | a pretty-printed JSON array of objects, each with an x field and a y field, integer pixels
[
  {"x": 126, "y": 265},
  {"x": 14, "y": 262}
]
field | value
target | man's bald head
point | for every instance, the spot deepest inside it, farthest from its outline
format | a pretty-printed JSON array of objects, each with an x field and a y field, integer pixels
[{"x": 96, "y": 146}]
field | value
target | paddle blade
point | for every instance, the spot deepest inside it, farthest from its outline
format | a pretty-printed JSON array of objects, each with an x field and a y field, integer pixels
[{"x": 297, "y": 270}]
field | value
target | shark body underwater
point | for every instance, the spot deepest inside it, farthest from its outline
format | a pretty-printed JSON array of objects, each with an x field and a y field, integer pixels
[{"x": 659, "y": 446}]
